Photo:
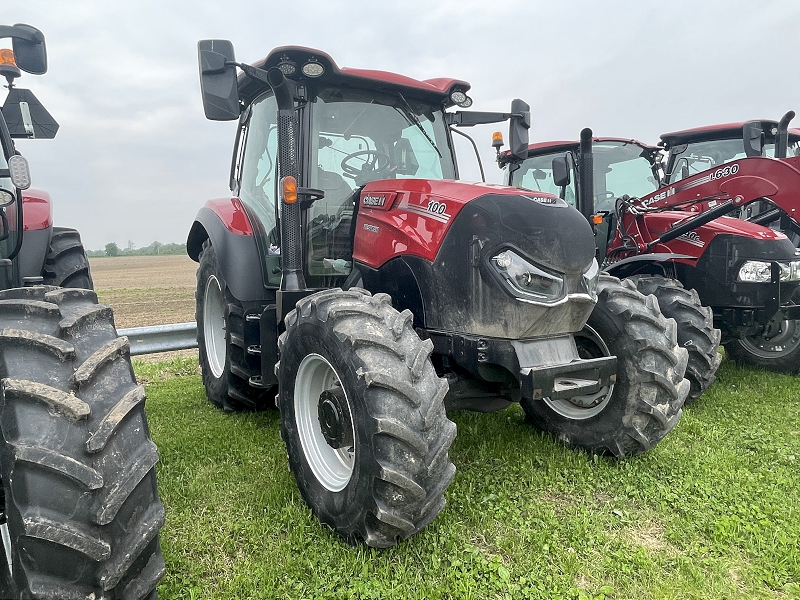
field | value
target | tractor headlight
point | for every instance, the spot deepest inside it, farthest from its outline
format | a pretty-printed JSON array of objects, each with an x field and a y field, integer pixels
[
  {"x": 760, "y": 271},
  {"x": 523, "y": 277},
  {"x": 591, "y": 277}
]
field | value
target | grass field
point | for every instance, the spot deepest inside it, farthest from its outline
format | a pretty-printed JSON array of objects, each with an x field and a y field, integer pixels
[{"x": 712, "y": 512}]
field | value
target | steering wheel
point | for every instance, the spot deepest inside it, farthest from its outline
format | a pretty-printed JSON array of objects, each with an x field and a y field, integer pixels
[{"x": 375, "y": 164}]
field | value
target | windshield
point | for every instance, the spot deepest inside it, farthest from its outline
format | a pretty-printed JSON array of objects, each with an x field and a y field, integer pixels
[
  {"x": 362, "y": 136},
  {"x": 536, "y": 174},
  {"x": 358, "y": 136},
  {"x": 619, "y": 168},
  {"x": 689, "y": 159}
]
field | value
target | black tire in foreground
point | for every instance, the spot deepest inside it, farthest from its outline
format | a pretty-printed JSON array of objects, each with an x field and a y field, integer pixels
[
  {"x": 220, "y": 338},
  {"x": 66, "y": 264},
  {"x": 363, "y": 418},
  {"x": 780, "y": 353},
  {"x": 645, "y": 402},
  {"x": 78, "y": 465},
  {"x": 696, "y": 331}
]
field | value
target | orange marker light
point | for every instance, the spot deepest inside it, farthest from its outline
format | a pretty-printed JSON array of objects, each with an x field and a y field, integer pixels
[
  {"x": 597, "y": 219},
  {"x": 7, "y": 57},
  {"x": 497, "y": 139},
  {"x": 289, "y": 188}
]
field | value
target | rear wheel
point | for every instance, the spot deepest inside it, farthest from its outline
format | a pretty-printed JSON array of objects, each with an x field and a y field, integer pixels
[
  {"x": 644, "y": 404},
  {"x": 363, "y": 418},
  {"x": 779, "y": 353},
  {"x": 696, "y": 331},
  {"x": 80, "y": 503},
  {"x": 220, "y": 339},
  {"x": 66, "y": 264}
]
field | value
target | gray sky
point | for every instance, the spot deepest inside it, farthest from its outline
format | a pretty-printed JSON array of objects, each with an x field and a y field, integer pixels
[{"x": 135, "y": 158}]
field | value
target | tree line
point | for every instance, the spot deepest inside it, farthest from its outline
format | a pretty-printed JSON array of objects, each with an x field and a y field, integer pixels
[{"x": 112, "y": 249}]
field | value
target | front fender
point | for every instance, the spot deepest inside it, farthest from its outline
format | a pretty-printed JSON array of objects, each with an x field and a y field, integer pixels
[
  {"x": 628, "y": 266},
  {"x": 226, "y": 224}
]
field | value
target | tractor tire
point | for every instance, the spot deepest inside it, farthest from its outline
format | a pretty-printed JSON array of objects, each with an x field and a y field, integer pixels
[
  {"x": 644, "y": 404},
  {"x": 696, "y": 331},
  {"x": 363, "y": 417},
  {"x": 780, "y": 353},
  {"x": 66, "y": 264},
  {"x": 80, "y": 504},
  {"x": 220, "y": 341}
]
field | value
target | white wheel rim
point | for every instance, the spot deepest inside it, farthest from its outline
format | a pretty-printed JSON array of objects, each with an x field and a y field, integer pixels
[
  {"x": 566, "y": 407},
  {"x": 332, "y": 467},
  {"x": 214, "y": 326},
  {"x": 6, "y": 544}
]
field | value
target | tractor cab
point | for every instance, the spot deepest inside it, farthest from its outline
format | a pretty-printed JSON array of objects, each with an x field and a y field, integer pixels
[
  {"x": 692, "y": 151},
  {"x": 750, "y": 145}
]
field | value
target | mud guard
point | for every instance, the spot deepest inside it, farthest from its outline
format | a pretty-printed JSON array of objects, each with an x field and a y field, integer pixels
[
  {"x": 237, "y": 254},
  {"x": 627, "y": 266}
]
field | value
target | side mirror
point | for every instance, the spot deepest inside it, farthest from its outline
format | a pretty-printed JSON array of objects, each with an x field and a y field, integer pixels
[
  {"x": 218, "y": 80},
  {"x": 518, "y": 129},
  {"x": 753, "y": 138},
  {"x": 29, "y": 51},
  {"x": 561, "y": 171},
  {"x": 405, "y": 161}
]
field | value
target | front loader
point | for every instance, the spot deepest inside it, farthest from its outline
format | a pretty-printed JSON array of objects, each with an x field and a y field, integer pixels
[
  {"x": 79, "y": 510},
  {"x": 351, "y": 273},
  {"x": 744, "y": 272}
]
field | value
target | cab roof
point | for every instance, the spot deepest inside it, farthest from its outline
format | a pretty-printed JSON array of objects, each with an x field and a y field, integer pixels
[
  {"x": 721, "y": 131},
  {"x": 436, "y": 90}
]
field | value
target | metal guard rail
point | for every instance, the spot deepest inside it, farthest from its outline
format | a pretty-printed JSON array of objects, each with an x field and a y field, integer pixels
[{"x": 160, "y": 338}]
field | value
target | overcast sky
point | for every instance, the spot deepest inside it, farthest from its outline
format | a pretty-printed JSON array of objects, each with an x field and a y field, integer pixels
[{"x": 135, "y": 158}]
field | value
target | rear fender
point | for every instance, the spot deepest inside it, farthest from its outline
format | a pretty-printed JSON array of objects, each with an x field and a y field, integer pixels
[{"x": 226, "y": 224}]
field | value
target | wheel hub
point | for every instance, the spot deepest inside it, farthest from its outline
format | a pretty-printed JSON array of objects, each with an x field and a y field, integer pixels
[{"x": 334, "y": 418}]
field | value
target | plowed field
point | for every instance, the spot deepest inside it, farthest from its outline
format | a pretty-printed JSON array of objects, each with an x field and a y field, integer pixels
[{"x": 146, "y": 290}]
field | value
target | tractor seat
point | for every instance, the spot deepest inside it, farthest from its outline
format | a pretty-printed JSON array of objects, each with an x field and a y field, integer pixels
[{"x": 338, "y": 194}]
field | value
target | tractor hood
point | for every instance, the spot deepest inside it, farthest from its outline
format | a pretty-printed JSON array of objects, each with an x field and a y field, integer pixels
[
  {"x": 484, "y": 259},
  {"x": 414, "y": 216}
]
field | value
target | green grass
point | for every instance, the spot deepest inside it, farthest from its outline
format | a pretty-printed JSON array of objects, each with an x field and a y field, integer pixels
[{"x": 712, "y": 512}]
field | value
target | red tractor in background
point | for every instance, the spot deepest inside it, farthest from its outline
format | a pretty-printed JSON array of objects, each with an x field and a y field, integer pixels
[
  {"x": 694, "y": 151},
  {"x": 79, "y": 510},
  {"x": 350, "y": 272},
  {"x": 642, "y": 235},
  {"x": 764, "y": 156}
]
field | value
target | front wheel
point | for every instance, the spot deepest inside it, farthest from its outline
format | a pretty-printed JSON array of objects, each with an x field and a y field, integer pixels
[
  {"x": 224, "y": 364},
  {"x": 363, "y": 418},
  {"x": 644, "y": 404},
  {"x": 696, "y": 331},
  {"x": 779, "y": 353}
]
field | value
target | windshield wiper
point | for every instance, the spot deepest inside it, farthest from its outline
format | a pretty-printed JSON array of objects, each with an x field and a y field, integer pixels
[{"x": 412, "y": 118}]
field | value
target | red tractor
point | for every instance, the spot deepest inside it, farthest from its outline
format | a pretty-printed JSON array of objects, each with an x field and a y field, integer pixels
[
  {"x": 744, "y": 272},
  {"x": 350, "y": 271},
  {"x": 771, "y": 151},
  {"x": 80, "y": 512}
]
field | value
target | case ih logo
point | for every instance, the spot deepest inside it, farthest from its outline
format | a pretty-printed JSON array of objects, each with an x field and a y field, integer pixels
[
  {"x": 661, "y": 196},
  {"x": 373, "y": 200},
  {"x": 543, "y": 199}
]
